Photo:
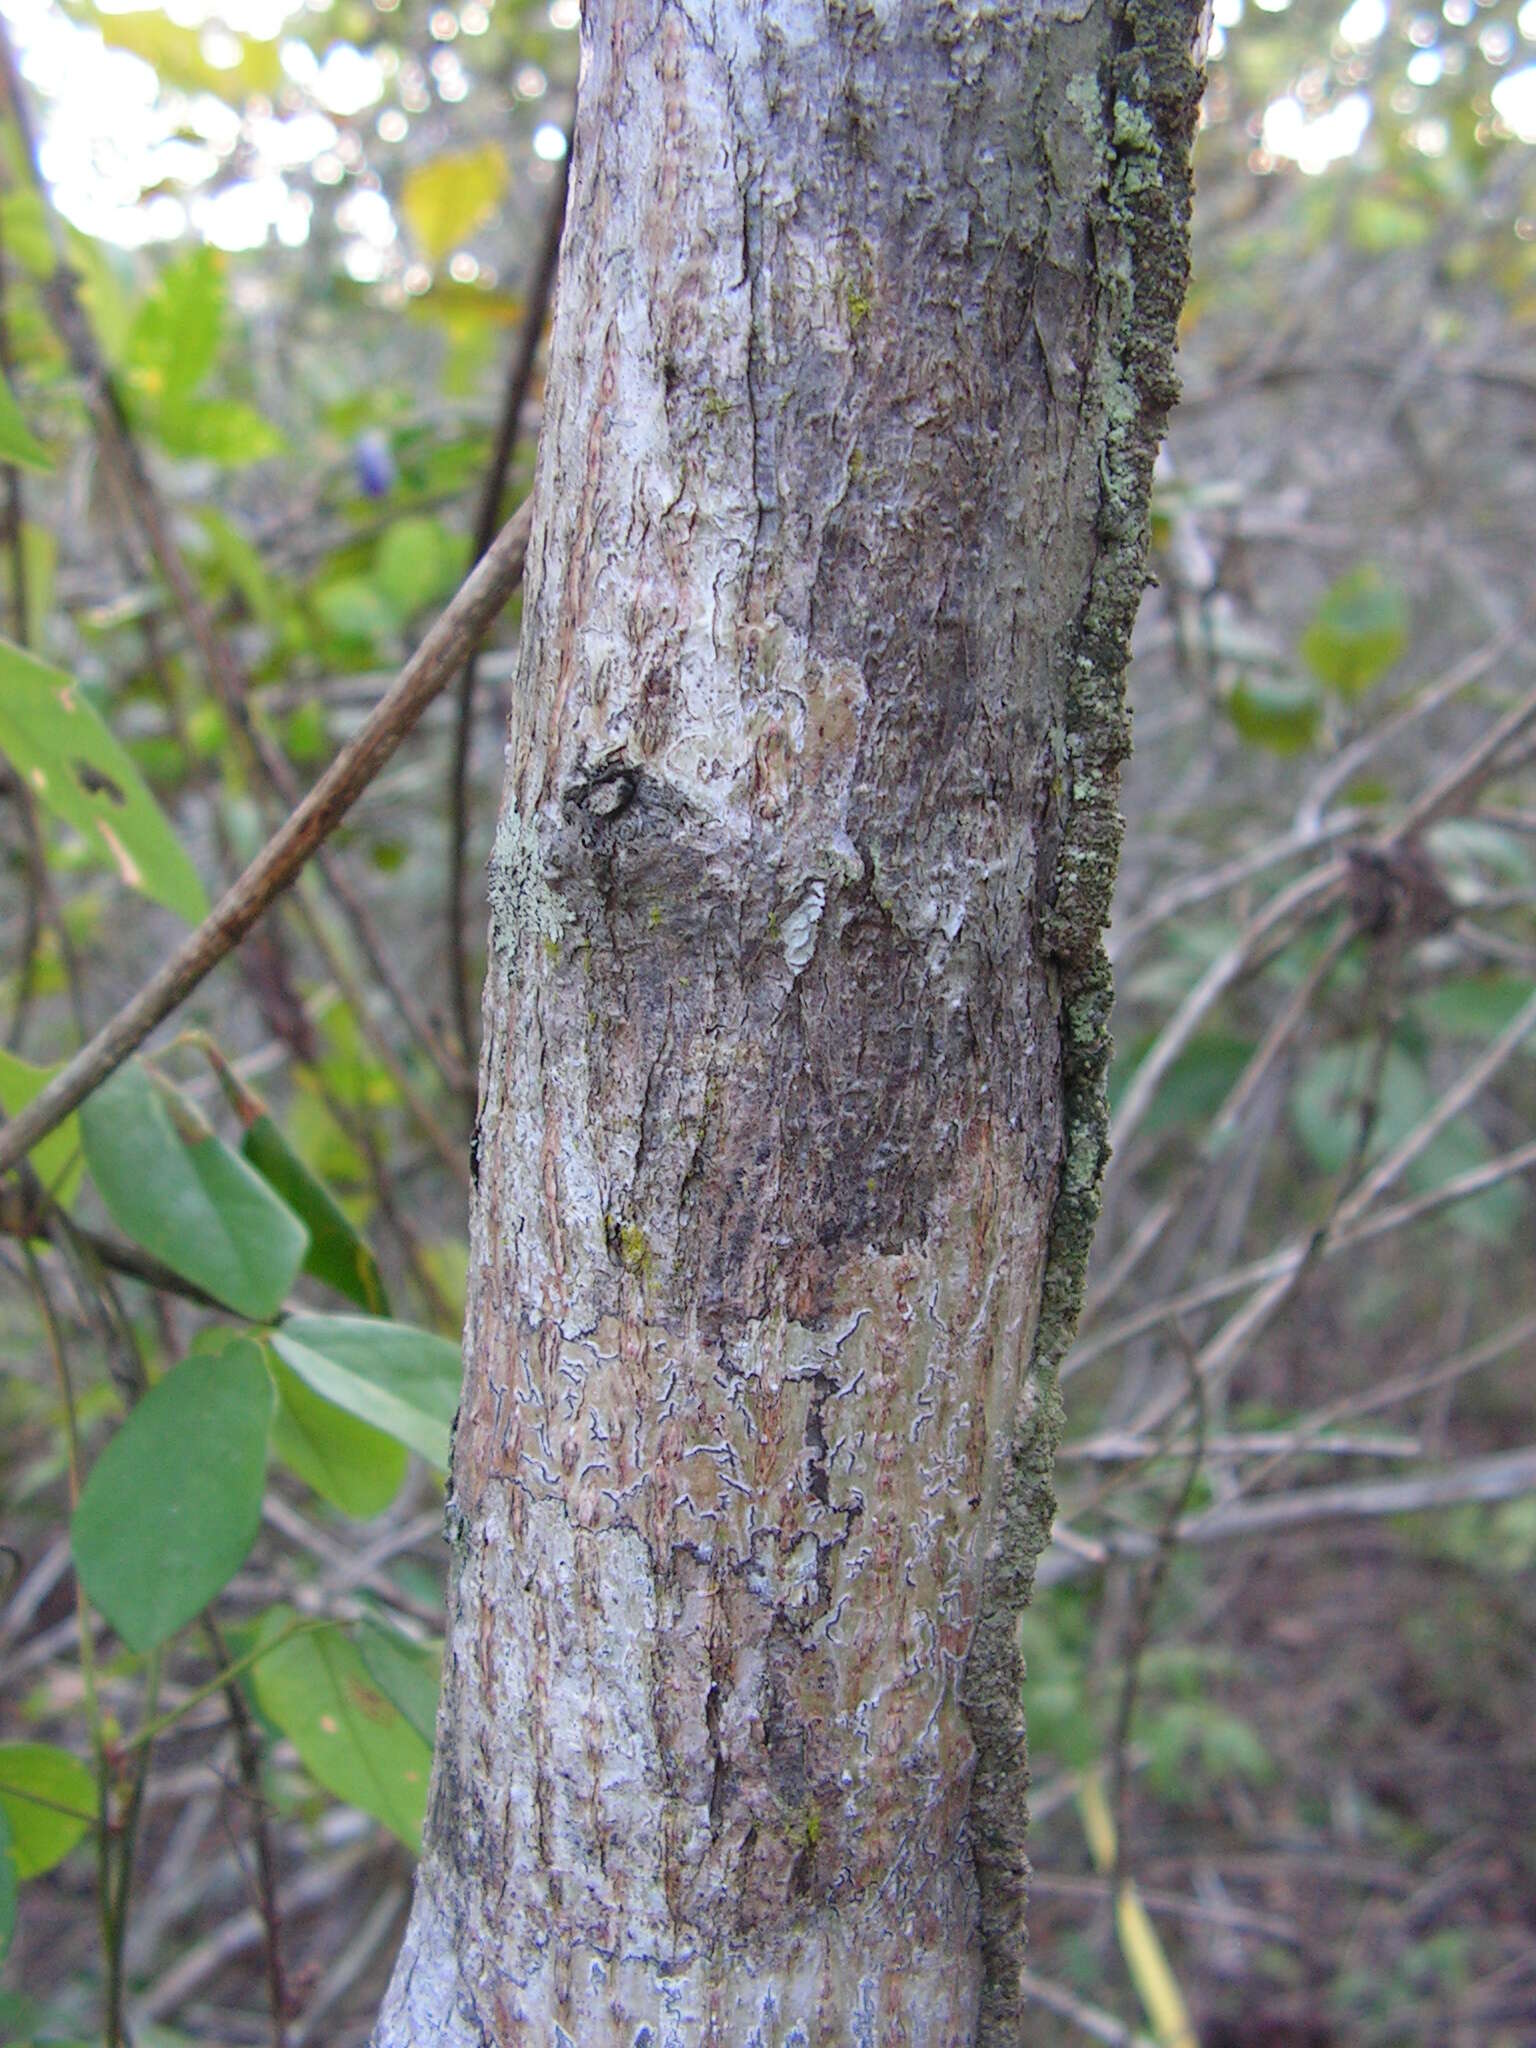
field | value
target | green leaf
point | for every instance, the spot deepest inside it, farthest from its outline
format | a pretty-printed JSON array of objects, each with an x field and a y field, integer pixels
[
  {"x": 418, "y": 562},
  {"x": 71, "y": 762},
  {"x": 242, "y": 564},
  {"x": 176, "y": 1190},
  {"x": 337, "y": 1255},
  {"x": 354, "y": 610},
  {"x": 1358, "y": 631},
  {"x": 174, "y": 340},
  {"x": 1282, "y": 713},
  {"x": 221, "y": 430},
  {"x": 352, "y": 1738},
  {"x": 1325, "y": 1107},
  {"x": 172, "y": 1505},
  {"x": 355, "y": 1467},
  {"x": 1477, "y": 1005},
  {"x": 1195, "y": 1086},
  {"x": 17, "y": 441},
  {"x": 48, "y": 1798},
  {"x": 1326, "y": 1102},
  {"x": 1379, "y": 224},
  {"x": 9, "y": 1885},
  {"x": 1193, "y": 1743},
  {"x": 408, "y": 1674},
  {"x": 56, "y": 1159},
  {"x": 404, "y": 1381},
  {"x": 445, "y": 200}
]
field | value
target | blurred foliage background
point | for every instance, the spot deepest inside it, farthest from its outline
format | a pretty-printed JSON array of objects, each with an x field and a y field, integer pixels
[{"x": 272, "y": 281}]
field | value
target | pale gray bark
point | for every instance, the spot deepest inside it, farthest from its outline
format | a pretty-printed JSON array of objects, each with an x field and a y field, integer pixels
[{"x": 790, "y": 1130}]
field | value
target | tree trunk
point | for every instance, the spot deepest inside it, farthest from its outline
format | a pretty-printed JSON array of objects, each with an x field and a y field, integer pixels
[{"x": 791, "y": 1125}]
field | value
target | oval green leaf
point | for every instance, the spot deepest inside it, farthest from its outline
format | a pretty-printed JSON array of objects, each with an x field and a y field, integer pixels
[
  {"x": 402, "y": 1380},
  {"x": 1279, "y": 712},
  {"x": 48, "y": 1798},
  {"x": 71, "y": 763},
  {"x": 352, "y": 1738},
  {"x": 349, "y": 1463},
  {"x": 409, "y": 1674},
  {"x": 337, "y": 1254},
  {"x": 176, "y": 1190},
  {"x": 1358, "y": 631},
  {"x": 172, "y": 1505}
]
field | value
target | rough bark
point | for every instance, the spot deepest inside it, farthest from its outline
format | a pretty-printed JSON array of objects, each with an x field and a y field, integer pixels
[{"x": 791, "y": 1126}]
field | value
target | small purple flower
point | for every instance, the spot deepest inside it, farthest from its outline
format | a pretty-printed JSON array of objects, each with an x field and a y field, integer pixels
[{"x": 374, "y": 464}]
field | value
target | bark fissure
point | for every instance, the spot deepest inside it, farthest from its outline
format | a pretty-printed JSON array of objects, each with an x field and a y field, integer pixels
[{"x": 791, "y": 1126}]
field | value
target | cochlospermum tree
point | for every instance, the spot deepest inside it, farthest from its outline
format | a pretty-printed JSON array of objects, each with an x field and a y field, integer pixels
[{"x": 791, "y": 1118}]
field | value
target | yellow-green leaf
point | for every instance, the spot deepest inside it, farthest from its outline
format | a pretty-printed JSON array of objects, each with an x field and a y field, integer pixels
[
  {"x": 446, "y": 200},
  {"x": 49, "y": 1800}
]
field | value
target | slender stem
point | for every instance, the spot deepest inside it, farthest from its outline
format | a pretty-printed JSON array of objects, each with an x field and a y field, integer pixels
[
  {"x": 60, "y": 1362},
  {"x": 248, "y": 1752},
  {"x": 427, "y": 672},
  {"x": 153, "y": 1729},
  {"x": 126, "y": 1838}
]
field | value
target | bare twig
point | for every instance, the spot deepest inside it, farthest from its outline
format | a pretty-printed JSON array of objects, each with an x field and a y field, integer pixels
[
  {"x": 1305, "y": 896},
  {"x": 1092, "y": 2020},
  {"x": 1207, "y": 1293},
  {"x": 274, "y": 868},
  {"x": 248, "y": 1754},
  {"x": 1116, "y": 1447},
  {"x": 1508, "y": 1475}
]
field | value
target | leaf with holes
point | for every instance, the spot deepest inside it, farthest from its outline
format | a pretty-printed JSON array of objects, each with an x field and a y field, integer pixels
[
  {"x": 70, "y": 762},
  {"x": 172, "y": 1505},
  {"x": 352, "y": 1738},
  {"x": 175, "y": 1189}
]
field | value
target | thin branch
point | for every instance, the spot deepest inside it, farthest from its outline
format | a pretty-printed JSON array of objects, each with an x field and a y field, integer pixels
[
  {"x": 1305, "y": 896},
  {"x": 145, "y": 518},
  {"x": 1208, "y": 1293},
  {"x": 1347, "y": 763},
  {"x": 1508, "y": 1475},
  {"x": 1126, "y": 1447},
  {"x": 430, "y": 668},
  {"x": 248, "y": 1755},
  {"x": 1092, "y": 2020}
]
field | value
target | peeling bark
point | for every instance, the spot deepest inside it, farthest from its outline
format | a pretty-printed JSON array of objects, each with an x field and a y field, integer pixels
[{"x": 791, "y": 1126}]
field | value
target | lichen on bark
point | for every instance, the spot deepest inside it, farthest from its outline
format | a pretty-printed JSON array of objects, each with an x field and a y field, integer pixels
[{"x": 1138, "y": 112}]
